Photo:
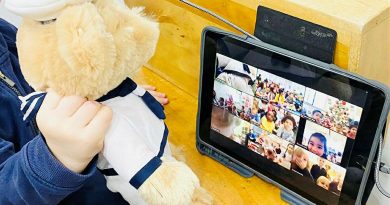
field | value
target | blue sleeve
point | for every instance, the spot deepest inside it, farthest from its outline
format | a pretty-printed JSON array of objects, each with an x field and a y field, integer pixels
[
  {"x": 8, "y": 31},
  {"x": 33, "y": 175}
]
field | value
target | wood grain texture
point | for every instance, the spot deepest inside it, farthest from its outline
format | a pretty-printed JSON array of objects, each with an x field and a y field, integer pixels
[
  {"x": 363, "y": 27},
  {"x": 226, "y": 187}
]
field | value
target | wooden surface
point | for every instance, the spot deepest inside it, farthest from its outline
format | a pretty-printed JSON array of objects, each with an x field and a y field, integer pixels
[
  {"x": 226, "y": 187},
  {"x": 363, "y": 46},
  {"x": 363, "y": 27}
]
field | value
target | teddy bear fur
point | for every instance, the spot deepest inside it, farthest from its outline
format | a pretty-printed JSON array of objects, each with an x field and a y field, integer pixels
[{"x": 88, "y": 50}]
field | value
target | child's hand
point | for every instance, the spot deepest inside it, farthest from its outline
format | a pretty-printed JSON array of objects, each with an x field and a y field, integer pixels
[
  {"x": 74, "y": 128},
  {"x": 160, "y": 97},
  {"x": 301, "y": 164}
]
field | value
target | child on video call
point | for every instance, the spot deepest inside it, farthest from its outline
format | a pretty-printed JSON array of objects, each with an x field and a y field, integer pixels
[
  {"x": 317, "y": 145},
  {"x": 268, "y": 121},
  {"x": 300, "y": 163},
  {"x": 285, "y": 131},
  {"x": 317, "y": 116},
  {"x": 323, "y": 182},
  {"x": 318, "y": 170}
]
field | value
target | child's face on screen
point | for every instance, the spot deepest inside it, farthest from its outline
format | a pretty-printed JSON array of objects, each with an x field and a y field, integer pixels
[
  {"x": 270, "y": 116},
  {"x": 316, "y": 146},
  {"x": 317, "y": 116},
  {"x": 288, "y": 125},
  {"x": 323, "y": 182},
  {"x": 301, "y": 159},
  {"x": 321, "y": 162},
  {"x": 353, "y": 131}
]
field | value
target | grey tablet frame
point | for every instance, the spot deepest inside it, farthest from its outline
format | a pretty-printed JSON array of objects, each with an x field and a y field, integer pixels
[{"x": 287, "y": 194}]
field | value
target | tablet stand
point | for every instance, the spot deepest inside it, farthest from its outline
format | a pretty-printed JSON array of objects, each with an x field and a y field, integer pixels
[
  {"x": 224, "y": 160},
  {"x": 289, "y": 198}
]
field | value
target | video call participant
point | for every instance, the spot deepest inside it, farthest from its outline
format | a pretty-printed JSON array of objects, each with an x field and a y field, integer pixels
[
  {"x": 268, "y": 121},
  {"x": 317, "y": 145},
  {"x": 318, "y": 170},
  {"x": 285, "y": 131},
  {"x": 300, "y": 163}
]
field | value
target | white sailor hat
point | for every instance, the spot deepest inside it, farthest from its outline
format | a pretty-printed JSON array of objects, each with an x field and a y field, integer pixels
[
  {"x": 241, "y": 68},
  {"x": 40, "y": 10}
]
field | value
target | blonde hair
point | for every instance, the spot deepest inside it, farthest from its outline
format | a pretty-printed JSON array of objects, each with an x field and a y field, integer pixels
[
  {"x": 322, "y": 178},
  {"x": 299, "y": 151}
]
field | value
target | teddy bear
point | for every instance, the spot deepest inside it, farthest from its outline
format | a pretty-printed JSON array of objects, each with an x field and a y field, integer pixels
[{"x": 89, "y": 48}]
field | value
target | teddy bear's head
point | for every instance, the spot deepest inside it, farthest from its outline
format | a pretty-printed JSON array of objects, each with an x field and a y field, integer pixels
[{"x": 82, "y": 47}]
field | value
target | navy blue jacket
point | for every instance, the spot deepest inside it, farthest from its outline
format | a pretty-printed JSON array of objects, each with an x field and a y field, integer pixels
[{"x": 29, "y": 174}]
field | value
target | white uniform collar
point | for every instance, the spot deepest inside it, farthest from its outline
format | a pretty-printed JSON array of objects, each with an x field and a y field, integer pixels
[{"x": 40, "y": 10}]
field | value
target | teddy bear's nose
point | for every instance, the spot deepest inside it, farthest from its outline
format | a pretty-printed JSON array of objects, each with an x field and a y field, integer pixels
[{"x": 40, "y": 10}]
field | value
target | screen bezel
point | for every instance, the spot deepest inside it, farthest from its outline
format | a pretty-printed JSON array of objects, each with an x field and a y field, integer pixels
[{"x": 375, "y": 104}]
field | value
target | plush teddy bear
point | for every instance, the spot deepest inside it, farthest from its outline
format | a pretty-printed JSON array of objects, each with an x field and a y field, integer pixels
[{"x": 89, "y": 48}]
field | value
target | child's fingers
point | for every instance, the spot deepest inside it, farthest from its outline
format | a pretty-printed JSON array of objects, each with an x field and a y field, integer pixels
[
  {"x": 157, "y": 94},
  {"x": 68, "y": 105},
  {"x": 84, "y": 115},
  {"x": 51, "y": 100},
  {"x": 100, "y": 123},
  {"x": 149, "y": 87},
  {"x": 160, "y": 97}
]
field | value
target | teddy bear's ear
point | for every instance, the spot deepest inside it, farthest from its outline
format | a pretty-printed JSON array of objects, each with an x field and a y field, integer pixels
[
  {"x": 83, "y": 41},
  {"x": 136, "y": 34}
]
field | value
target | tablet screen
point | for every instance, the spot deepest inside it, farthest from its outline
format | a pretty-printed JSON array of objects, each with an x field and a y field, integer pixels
[
  {"x": 301, "y": 129},
  {"x": 293, "y": 122}
]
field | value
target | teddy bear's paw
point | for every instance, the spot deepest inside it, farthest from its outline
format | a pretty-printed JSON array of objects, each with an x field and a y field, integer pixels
[
  {"x": 173, "y": 183},
  {"x": 201, "y": 197}
]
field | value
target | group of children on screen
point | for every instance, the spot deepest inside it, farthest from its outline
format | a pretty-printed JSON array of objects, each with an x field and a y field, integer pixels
[
  {"x": 275, "y": 110},
  {"x": 268, "y": 116},
  {"x": 342, "y": 125},
  {"x": 320, "y": 173},
  {"x": 273, "y": 92},
  {"x": 271, "y": 147}
]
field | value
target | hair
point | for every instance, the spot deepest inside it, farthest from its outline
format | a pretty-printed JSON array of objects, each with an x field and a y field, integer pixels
[
  {"x": 301, "y": 152},
  {"x": 274, "y": 112},
  {"x": 322, "y": 138},
  {"x": 353, "y": 126},
  {"x": 315, "y": 111},
  {"x": 333, "y": 186},
  {"x": 289, "y": 117},
  {"x": 322, "y": 178}
]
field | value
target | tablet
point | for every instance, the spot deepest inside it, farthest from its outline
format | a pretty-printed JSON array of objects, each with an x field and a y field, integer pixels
[{"x": 307, "y": 126}]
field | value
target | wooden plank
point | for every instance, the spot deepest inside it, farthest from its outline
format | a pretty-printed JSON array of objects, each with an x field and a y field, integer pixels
[
  {"x": 225, "y": 186},
  {"x": 363, "y": 26},
  {"x": 177, "y": 57}
]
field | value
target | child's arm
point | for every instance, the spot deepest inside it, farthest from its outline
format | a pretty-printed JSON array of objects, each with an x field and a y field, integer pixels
[{"x": 41, "y": 172}]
